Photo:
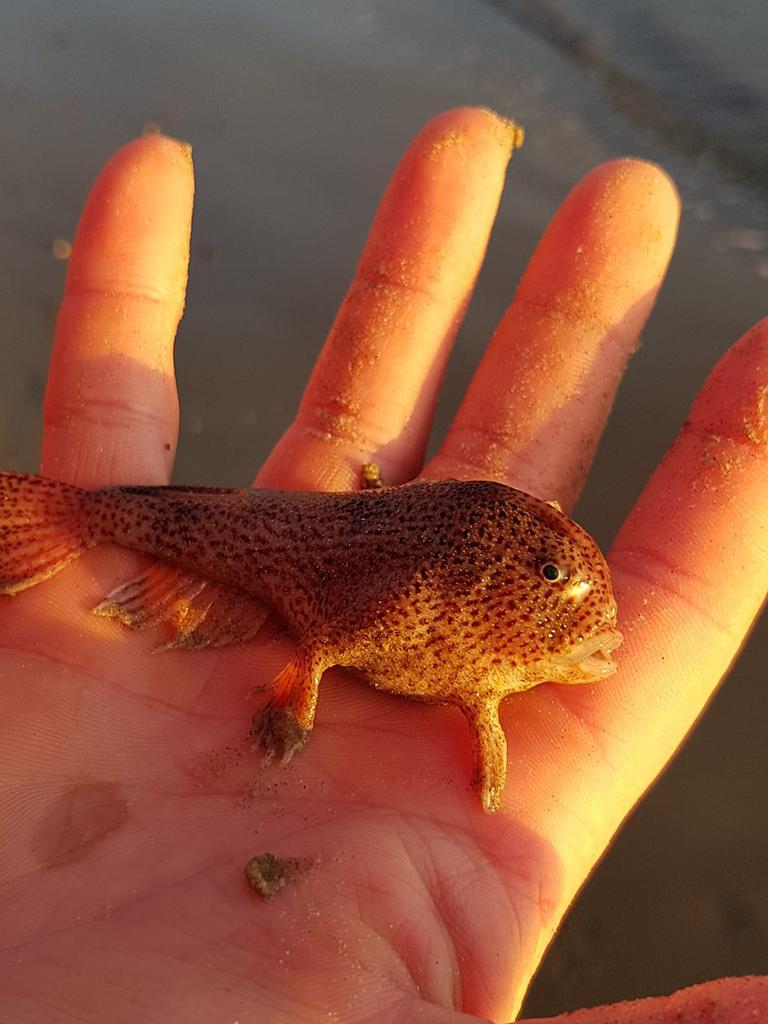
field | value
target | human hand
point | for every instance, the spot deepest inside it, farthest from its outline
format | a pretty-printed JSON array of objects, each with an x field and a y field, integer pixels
[{"x": 130, "y": 800}]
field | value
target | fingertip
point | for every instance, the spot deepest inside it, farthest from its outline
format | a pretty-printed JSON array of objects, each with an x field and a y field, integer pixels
[
  {"x": 733, "y": 403},
  {"x": 637, "y": 177},
  {"x": 155, "y": 149},
  {"x": 619, "y": 223},
  {"x": 637, "y": 194},
  {"x": 473, "y": 126},
  {"x": 158, "y": 144},
  {"x": 134, "y": 231}
]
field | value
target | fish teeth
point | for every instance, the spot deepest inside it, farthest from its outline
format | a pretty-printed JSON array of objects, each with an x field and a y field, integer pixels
[{"x": 592, "y": 655}]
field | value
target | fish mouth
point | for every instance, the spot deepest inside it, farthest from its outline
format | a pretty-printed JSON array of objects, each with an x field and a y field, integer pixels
[{"x": 592, "y": 656}]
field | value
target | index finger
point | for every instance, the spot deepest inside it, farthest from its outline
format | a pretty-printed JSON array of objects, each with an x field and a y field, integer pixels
[{"x": 690, "y": 573}]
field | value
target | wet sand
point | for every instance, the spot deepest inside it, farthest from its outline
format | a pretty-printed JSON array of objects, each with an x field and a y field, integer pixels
[{"x": 297, "y": 114}]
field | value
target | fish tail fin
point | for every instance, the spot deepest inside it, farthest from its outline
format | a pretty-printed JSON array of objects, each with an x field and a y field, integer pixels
[{"x": 42, "y": 528}]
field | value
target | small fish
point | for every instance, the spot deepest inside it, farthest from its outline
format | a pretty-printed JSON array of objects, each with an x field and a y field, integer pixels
[{"x": 458, "y": 592}]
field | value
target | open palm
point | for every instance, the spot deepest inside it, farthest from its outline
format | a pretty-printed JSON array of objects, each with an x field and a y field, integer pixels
[{"x": 130, "y": 800}]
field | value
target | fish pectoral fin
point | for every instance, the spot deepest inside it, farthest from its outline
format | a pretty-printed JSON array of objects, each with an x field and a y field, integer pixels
[
  {"x": 489, "y": 751},
  {"x": 288, "y": 679},
  {"x": 199, "y": 613},
  {"x": 283, "y": 726}
]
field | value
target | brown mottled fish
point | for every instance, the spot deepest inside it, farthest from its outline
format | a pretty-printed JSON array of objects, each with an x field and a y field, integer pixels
[{"x": 460, "y": 592}]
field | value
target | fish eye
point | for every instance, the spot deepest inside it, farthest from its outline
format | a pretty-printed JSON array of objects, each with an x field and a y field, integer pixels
[{"x": 553, "y": 573}]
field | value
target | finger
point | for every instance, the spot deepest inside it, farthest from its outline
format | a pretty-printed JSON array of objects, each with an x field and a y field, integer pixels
[
  {"x": 690, "y": 572},
  {"x": 375, "y": 384},
  {"x": 690, "y": 565},
  {"x": 539, "y": 400},
  {"x": 725, "y": 1001},
  {"x": 111, "y": 411}
]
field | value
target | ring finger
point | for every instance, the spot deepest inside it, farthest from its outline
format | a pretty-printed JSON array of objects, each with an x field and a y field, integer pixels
[{"x": 374, "y": 387}]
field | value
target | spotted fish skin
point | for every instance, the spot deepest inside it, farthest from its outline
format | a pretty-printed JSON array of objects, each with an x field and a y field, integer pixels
[{"x": 459, "y": 592}]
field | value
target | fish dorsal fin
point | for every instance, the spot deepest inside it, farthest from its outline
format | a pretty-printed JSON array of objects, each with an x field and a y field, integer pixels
[{"x": 199, "y": 613}]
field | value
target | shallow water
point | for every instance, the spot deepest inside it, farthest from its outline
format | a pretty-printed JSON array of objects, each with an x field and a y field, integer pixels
[{"x": 298, "y": 112}]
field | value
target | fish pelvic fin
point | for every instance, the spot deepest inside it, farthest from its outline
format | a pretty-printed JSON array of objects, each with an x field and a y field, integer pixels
[{"x": 42, "y": 528}]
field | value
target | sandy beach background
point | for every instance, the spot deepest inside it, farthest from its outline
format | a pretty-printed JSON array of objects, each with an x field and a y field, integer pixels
[{"x": 298, "y": 110}]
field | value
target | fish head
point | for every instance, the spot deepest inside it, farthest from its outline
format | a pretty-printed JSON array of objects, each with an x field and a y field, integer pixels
[{"x": 566, "y": 600}]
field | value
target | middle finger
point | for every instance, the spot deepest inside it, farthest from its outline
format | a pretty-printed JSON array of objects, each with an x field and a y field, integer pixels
[{"x": 536, "y": 407}]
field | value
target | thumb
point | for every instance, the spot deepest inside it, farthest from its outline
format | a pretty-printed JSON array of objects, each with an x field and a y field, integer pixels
[{"x": 726, "y": 1001}]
